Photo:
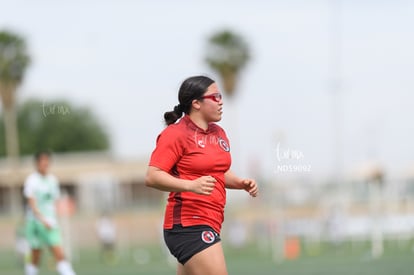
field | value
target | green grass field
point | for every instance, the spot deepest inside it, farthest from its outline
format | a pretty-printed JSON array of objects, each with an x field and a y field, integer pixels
[{"x": 397, "y": 260}]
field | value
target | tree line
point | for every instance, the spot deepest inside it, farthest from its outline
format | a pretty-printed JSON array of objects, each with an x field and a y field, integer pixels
[{"x": 62, "y": 127}]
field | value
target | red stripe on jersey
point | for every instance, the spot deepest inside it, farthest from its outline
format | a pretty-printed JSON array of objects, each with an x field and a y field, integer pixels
[{"x": 177, "y": 208}]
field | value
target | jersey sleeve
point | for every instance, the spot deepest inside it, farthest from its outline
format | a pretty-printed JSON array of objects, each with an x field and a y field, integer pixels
[
  {"x": 29, "y": 187},
  {"x": 168, "y": 151}
]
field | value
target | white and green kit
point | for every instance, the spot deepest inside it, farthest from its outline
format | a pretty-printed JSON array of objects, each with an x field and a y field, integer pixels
[{"x": 44, "y": 189}]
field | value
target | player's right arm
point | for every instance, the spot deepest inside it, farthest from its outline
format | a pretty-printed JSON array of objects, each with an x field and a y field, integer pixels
[
  {"x": 161, "y": 180},
  {"x": 168, "y": 151},
  {"x": 29, "y": 194},
  {"x": 33, "y": 206}
]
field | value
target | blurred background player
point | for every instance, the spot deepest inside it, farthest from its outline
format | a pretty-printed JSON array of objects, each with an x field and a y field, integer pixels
[
  {"x": 107, "y": 236},
  {"x": 41, "y": 190}
]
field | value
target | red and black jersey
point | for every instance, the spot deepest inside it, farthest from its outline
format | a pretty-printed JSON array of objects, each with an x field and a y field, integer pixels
[{"x": 186, "y": 151}]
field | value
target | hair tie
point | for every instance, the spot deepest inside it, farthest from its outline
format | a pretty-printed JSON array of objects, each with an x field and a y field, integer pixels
[{"x": 178, "y": 109}]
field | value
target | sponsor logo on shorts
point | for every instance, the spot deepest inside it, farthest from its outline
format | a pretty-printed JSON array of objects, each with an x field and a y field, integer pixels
[{"x": 208, "y": 236}]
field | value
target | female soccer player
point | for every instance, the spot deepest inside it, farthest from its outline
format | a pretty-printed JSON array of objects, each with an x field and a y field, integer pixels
[
  {"x": 41, "y": 191},
  {"x": 192, "y": 162}
]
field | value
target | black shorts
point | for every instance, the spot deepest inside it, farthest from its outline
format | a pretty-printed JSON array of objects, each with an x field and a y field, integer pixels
[{"x": 185, "y": 242}]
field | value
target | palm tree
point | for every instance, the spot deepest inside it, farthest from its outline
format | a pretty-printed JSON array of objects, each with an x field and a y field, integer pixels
[
  {"x": 227, "y": 54},
  {"x": 14, "y": 60}
]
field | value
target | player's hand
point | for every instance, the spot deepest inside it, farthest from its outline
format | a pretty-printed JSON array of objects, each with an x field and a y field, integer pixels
[
  {"x": 250, "y": 186},
  {"x": 47, "y": 225},
  {"x": 203, "y": 185}
]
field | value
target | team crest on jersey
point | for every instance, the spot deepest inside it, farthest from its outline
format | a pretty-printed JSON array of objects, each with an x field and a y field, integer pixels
[
  {"x": 223, "y": 144},
  {"x": 208, "y": 236}
]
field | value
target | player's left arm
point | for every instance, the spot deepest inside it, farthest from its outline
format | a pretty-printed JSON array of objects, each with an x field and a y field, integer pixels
[
  {"x": 234, "y": 182},
  {"x": 56, "y": 192}
]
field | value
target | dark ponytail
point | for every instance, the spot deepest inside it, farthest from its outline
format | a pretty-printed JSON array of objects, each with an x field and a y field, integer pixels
[
  {"x": 172, "y": 116},
  {"x": 192, "y": 88}
]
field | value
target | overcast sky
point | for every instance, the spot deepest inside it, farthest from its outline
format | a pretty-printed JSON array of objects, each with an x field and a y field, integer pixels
[{"x": 126, "y": 60}]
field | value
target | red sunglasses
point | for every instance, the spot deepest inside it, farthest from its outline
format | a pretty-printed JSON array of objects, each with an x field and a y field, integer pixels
[{"x": 215, "y": 97}]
